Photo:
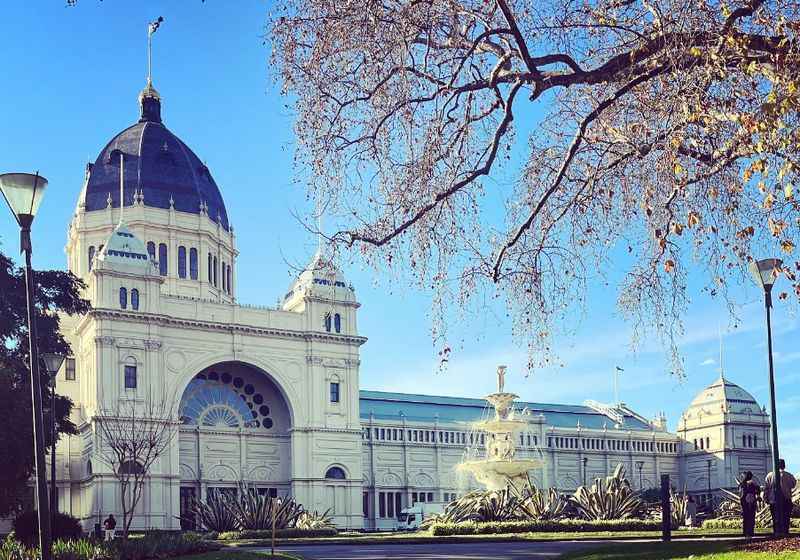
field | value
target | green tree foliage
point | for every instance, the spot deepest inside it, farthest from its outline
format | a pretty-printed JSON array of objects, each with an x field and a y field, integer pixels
[{"x": 56, "y": 292}]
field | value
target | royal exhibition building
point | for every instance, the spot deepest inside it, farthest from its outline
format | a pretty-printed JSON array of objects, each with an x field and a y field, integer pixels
[{"x": 270, "y": 396}]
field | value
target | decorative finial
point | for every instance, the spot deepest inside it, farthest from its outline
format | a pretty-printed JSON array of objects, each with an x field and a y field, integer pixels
[
  {"x": 108, "y": 201},
  {"x": 171, "y": 202}
]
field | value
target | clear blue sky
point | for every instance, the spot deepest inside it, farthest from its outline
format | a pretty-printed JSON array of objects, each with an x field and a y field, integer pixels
[{"x": 70, "y": 81}]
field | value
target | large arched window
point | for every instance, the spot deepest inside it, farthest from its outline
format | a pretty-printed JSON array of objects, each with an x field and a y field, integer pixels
[
  {"x": 193, "y": 263},
  {"x": 91, "y": 257},
  {"x": 222, "y": 400},
  {"x": 135, "y": 299},
  {"x": 182, "y": 262},
  {"x": 162, "y": 259},
  {"x": 123, "y": 298},
  {"x": 335, "y": 473}
]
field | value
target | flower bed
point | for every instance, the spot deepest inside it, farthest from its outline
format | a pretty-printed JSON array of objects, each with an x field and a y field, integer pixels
[{"x": 566, "y": 525}]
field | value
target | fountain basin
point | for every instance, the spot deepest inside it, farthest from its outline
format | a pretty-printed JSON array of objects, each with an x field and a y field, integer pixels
[{"x": 495, "y": 475}]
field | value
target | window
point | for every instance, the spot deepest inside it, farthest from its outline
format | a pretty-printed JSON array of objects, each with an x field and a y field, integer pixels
[
  {"x": 123, "y": 298},
  {"x": 193, "y": 263},
  {"x": 151, "y": 250},
  {"x": 335, "y": 391},
  {"x": 430, "y": 496},
  {"x": 135, "y": 299},
  {"x": 755, "y": 441},
  {"x": 210, "y": 269},
  {"x": 130, "y": 377},
  {"x": 382, "y": 504},
  {"x": 744, "y": 440},
  {"x": 230, "y": 288},
  {"x": 69, "y": 371},
  {"x": 89, "y": 467},
  {"x": 215, "y": 272},
  {"x": 91, "y": 257},
  {"x": 327, "y": 322},
  {"x": 365, "y": 504},
  {"x": 182, "y": 262},
  {"x": 335, "y": 473},
  {"x": 224, "y": 285},
  {"x": 708, "y": 443},
  {"x": 337, "y": 322},
  {"x": 162, "y": 259}
]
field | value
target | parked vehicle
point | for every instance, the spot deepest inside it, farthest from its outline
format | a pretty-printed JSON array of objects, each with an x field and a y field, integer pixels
[{"x": 411, "y": 518}]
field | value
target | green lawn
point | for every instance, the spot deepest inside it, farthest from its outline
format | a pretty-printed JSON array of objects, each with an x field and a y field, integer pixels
[
  {"x": 227, "y": 554},
  {"x": 709, "y": 550}
]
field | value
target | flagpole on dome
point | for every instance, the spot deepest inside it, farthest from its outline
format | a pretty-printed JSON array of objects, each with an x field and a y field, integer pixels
[
  {"x": 617, "y": 371},
  {"x": 152, "y": 27}
]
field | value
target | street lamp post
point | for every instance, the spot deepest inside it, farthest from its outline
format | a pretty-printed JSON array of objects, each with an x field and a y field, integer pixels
[
  {"x": 52, "y": 362},
  {"x": 710, "y": 499},
  {"x": 23, "y": 193},
  {"x": 585, "y": 462},
  {"x": 765, "y": 273},
  {"x": 640, "y": 466}
]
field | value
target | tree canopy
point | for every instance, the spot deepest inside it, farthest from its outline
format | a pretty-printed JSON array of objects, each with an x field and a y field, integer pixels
[
  {"x": 652, "y": 133},
  {"x": 56, "y": 292}
]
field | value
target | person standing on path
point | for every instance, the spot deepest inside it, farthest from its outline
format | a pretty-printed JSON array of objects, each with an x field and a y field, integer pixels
[
  {"x": 748, "y": 498},
  {"x": 788, "y": 483},
  {"x": 109, "y": 525}
]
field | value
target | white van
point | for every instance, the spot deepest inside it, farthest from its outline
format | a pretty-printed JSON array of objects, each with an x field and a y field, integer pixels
[{"x": 411, "y": 518}]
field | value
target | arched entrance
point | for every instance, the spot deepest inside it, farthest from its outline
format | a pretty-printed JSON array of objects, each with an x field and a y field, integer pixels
[{"x": 235, "y": 428}]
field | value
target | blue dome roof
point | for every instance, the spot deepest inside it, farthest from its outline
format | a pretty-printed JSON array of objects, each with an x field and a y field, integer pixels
[{"x": 159, "y": 167}]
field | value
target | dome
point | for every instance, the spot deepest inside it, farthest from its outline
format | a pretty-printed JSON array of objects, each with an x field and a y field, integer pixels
[
  {"x": 725, "y": 395},
  {"x": 124, "y": 248},
  {"x": 321, "y": 271},
  {"x": 160, "y": 170}
]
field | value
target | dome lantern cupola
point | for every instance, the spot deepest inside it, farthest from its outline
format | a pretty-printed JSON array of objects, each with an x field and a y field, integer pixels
[{"x": 150, "y": 104}]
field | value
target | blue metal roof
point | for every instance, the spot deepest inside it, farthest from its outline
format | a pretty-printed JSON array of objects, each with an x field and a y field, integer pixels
[
  {"x": 157, "y": 164},
  {"x": 428, "y": 408}
]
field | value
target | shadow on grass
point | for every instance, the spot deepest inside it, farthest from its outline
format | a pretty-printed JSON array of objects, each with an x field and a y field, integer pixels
[{"x": 716, "y": 550}]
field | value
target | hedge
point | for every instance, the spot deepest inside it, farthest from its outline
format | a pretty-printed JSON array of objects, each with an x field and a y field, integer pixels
[
  {"x": 279, "y": 534},
  {"x": 26, "y": 528},
  {"x": 563, "y": 526},
  {"x": 737, "y": 524}
]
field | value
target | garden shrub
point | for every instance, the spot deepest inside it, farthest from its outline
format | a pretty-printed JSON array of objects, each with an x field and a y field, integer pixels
[
  {"x": 26, "y": 527},
  {"x": 161, "y": 544},
  {"x": 291, "y": 533},
  {"x": 12, "y": 549},
  {"x": 561, "y": 526},
  {"x": 737, "y": 524}
]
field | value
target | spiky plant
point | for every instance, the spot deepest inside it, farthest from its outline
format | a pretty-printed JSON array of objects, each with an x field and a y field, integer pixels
[
  {"x": 214, "y": 514},
  {"x": 534, "y": 504},
  {"x": 609, "y": 498},
  {"x": 315, "y": 520},
  {"x": 254, "y": 511},
  {"x": 730, "y": 507},
  {"x": 480, "y": 506}
]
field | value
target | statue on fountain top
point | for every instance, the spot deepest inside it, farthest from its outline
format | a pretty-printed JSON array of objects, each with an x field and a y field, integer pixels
[{"x": 501, "y": 378}]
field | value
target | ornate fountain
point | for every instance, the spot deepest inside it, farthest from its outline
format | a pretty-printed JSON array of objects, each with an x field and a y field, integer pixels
[{"x": 499, "y": 466}]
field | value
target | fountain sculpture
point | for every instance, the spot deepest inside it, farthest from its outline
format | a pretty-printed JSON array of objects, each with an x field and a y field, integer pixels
[{"x": 499, "y": 466}]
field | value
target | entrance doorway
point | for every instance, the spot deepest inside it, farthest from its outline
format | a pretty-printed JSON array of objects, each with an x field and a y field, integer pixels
[{"x": 188, "y": 497}]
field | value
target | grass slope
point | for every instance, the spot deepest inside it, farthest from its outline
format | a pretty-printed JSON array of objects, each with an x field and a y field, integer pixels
[{"x": 708, "y": 550}]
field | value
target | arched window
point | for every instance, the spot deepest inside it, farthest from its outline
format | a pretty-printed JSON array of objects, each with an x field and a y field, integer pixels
[
  {"x": 755, "y": 441},
  {"x": 182, "y": 262},
  {"x": 193, "y": 264},
  {"x": 131, "y": 379},
  {"x": 337, "y": 322},
  {"x": 162, "y": 259},
  {"x": 130, "y": 467},
  {"x": 89, "y": 467},
  {"x": 91, "y": 257},
  {"x": 230, "y": 288},
  {"x": 224, "y": 286},
  {"x": 708, "y": 443},
  {"x": 335, "y": 473},
  {"x": 210, "y": 269},
  {"x": 151, "y": 250},
  {"x": 135, "y": 299},
  {"x": 123, "y": 298},
  {"x": 328, "y": 322},
  {"x": 215, "y": 271}
]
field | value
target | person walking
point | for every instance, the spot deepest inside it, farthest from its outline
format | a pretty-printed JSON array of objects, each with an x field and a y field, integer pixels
[
  {"x": 691, "y": 511},
  {"x": 109, "y": 525},
  {"x": 748, "y": 498},
  {"x": 788, "y": 482}
]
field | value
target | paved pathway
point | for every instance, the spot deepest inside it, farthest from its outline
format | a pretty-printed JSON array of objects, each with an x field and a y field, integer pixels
[{"x": 438, "y": 551}]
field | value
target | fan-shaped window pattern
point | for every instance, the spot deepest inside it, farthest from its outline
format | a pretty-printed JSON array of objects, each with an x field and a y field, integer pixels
[
  {"x": 223, "y": 401},
  {"x": 182, "y": 262},
  {"x": 193, "y": 267},
  {"x": 335, "y": 473},
  {"x": 135, "y": 299}
]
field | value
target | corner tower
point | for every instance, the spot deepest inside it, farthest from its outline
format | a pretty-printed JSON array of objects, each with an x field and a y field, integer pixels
[{"x": 170, "y": 201}]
